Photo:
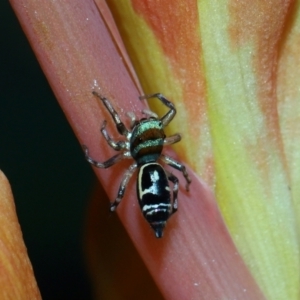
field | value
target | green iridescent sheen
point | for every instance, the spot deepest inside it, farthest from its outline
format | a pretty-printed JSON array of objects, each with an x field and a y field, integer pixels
[
  {"x": 147, "y": 144},
  {"x": 145, "y": 126}
]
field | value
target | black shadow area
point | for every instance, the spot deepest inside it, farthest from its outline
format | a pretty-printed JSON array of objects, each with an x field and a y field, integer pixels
[{"x": 45, "y": 165}]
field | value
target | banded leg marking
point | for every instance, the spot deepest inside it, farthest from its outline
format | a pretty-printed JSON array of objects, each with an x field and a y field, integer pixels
[
  {"x": 119, "y": 124},
  {"x": 175, "y": 182},
  {"x": 172, "y": 139},
  {"x": 106, "y": 164},
  {"x": 168, "y": 117},
  {"x": 132, "y": 118},
  {"x": 119, "y": 145},
  {"x": 123, "y": 186},
  {"x": 176, "y": 165},
  {"x": 149, "y": 113}
]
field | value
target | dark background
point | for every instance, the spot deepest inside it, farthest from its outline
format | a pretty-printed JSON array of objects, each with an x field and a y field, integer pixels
[{"x": 44, "y": 163}]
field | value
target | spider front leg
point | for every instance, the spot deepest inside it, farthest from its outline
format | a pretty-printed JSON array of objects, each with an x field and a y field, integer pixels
[
  {"x": 175, "y": 164},
  {"x": 168, "y": 117},
  {"x": 123, "y": 186},
  {"x": 119, "y": 124},
  {"x": 119, "y": 145},
  {"x": 113, "y": 160}
]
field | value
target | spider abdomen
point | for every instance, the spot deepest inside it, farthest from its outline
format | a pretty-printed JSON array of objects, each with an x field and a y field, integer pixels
[{"x": 154, "y": 196}]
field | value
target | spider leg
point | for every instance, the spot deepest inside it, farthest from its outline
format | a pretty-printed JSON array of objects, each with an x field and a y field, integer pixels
[
  {"x": 119, "y": 145},
  {"x": 175, "y": 181},
  {"x": 106, "y": 164},
  {"x": 149, "y": 113},
  {"x": 132, "y": 118},
  {"x": 119, "y": 124},
  {"x": 123, "y": 186},
  {"x": 176, "y": 165},
  {"x": 172, "y": 139},
  {"x": 168, "y": 117}
]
